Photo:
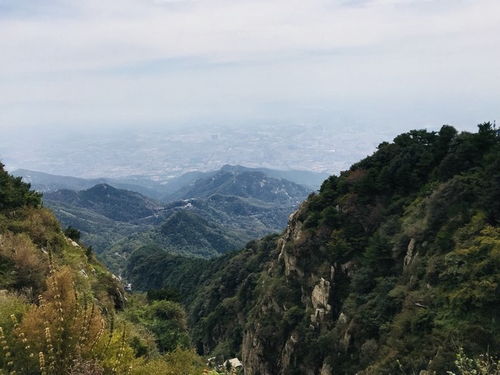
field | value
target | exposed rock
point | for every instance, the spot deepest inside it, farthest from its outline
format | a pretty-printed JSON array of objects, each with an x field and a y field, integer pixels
[
  {"x": 233, "y": 364},
  {"x": 409, "y": 253},
  {"x": 287, "y": 353},
  {"x": 326, "y": 369},
  {"x": 252, "y": 352},
  {"x": 292, "y": 233},
  {"x": 342, "y": 318},
  {"x": 347, "y": 267},
  {"x": 319, "y": 299}
]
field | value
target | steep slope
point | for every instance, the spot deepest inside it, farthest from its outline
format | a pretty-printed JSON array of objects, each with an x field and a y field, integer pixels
[
  {"x": 391, "y": 268},
  {"x": 202, "y": 228},
  {"x": 104, "y": 215},
  {"x": 61, "y": 312},
  {"x": 185, "y": 228},
  {"x": 117, "y": 222}
]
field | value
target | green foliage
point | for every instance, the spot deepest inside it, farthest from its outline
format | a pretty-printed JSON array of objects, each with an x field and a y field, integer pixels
[
  {"x": 408, "y": 241},
  {"x": 483, "y": 364},
  {"x": 215, "y": 217},
  {"x": 170, "y": 294},
  {"x": 165, "y": 319},
  {"x": 58, "y": 305},
  {"x": 14, "y": 193},
  {"x": 72, "y": 233}
]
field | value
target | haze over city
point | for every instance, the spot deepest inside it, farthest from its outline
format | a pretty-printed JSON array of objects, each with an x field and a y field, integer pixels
[{"x": 341, "y": 76}]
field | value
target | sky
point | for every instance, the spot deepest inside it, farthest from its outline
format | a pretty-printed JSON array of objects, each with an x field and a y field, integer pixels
[
  {"x": 118, "y": 63},
  {"x": 106, "y": 87}
]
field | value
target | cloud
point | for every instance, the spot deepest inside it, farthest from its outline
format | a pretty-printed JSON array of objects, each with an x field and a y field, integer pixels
[{"x": 171, "y": 60}]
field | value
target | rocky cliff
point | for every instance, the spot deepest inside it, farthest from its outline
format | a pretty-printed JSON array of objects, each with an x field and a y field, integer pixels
[{"x": 391, "y": 268}]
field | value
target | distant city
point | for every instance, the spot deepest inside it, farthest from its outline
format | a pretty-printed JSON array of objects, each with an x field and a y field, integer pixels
[{"x": 162, "y": 154}]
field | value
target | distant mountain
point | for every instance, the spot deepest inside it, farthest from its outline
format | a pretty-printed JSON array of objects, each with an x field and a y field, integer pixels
[
  {"x": 45, "y": 183},
  {"x": 164, "y": 190},
  {"x": 312, "y": 180},
  {"x": 245, "y": 183},
  {"x": 393, "y": 267},
  {"x": 180, "y": 186},
  {"x": 214, "y": 214},
  {"x": 115, "y": 204}
]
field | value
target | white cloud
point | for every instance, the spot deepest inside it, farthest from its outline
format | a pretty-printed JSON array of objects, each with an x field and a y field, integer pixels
[{"x": 161, "y": 60}]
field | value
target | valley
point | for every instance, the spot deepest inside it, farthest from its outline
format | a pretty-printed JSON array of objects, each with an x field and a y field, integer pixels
[
  {"x": 208, "y": 214},
  {"x": 391, "y": 266}
]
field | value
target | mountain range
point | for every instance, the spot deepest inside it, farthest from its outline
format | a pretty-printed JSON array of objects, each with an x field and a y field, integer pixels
[
  {"x": 392, "y": 267},
  {"x": 63, "y": 312},
  {"x": 211, "y": 215},
  {"x": 158, "y": 188}
]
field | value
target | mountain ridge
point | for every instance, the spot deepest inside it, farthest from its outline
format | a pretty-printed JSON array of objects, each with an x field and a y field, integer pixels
[
  {"x": 393, "y": 267},
  {"x": 229, "y": 209},
  {"x": 156, "y": 189}
]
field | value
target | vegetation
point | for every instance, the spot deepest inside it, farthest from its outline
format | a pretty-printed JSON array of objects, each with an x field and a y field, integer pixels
[
  {"x": 391, "y": 268},
  {"x": 212, "y": 215},
  {"x": 14, "y": 193},
  {"x": 61, "y": 312},
  {"x": 483, "y": 364}
]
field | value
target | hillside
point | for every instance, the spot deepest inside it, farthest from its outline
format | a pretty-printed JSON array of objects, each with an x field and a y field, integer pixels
[
  {"x": 223, "y": 217},
  {"x": 245, "y": 183},
  {"x": 62, "y": 312},
  {"x": 158, "y": 188},
  {"x": 48, "y": 183},
  {"x": 393, "y": 267},
  {"x": 115, "y": 204}
]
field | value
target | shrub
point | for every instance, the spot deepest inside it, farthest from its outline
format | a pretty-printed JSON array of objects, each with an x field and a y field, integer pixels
[{"x": 28, "y": 264}]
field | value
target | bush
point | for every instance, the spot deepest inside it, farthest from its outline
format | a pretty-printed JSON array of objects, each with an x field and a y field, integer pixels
[
  {"x": 14, "y": 193},
  {"x": 72, "y": 233}
]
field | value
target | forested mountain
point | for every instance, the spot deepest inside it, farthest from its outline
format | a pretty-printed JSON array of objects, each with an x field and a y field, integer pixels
[
  {"x": 159, "y": 188},
  {"x": 244, "y": 181},
  {"x": 246, "y": 184},
  {"x": 223, "y": 212},
  {"x": 48, "y": 183},
  {"x": 115, "y": 204},
  {"x": 62, "y": 312},
  {"x": 393, "y": 267}
]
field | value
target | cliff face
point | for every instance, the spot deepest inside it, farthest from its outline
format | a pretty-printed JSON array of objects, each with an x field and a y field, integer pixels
[
  {"x": 301, "y": 287},
  {"x": 392, "y": 267}
]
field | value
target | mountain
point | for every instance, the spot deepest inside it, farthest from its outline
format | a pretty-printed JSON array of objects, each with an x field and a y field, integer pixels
[
  {"x": 224, "y": 212},
  {"x": 312, "y": 180},
  {"x": 392, "y": 267},
  {"x": 46, "y": 183},
  {"x": 185, "y": 228},
  {"x": 231, "y": 181},
  {"x": 62, "y": 312},
  {"x": 115, "y": 204},
  {"x": 158, "y": 189}
]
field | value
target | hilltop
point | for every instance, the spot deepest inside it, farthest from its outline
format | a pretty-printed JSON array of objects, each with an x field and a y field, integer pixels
[
  {"x": 214, "y": 214},
  {"x": 392, "y": 267}
]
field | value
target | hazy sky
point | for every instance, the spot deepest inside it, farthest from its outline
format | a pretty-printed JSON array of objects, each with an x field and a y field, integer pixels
[{"x": 105, "y": 63}]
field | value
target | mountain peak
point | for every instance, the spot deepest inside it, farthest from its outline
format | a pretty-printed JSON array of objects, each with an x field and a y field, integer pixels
[
  {"x": 104, "y": 187},
  {"x": 117, "y": 204}
]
